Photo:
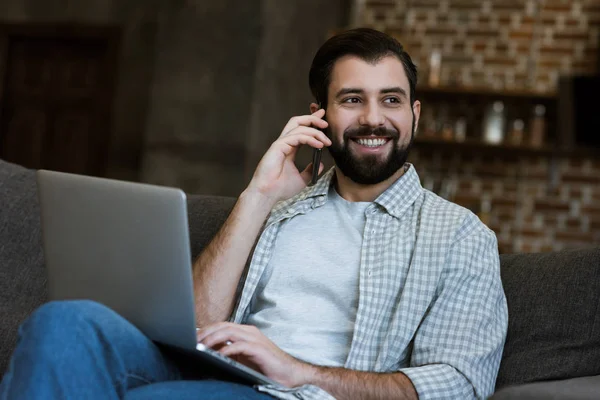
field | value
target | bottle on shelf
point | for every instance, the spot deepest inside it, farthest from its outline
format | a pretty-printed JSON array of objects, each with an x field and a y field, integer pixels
[
  {"x": 494, "y": 123},
  {"x": 485, "y": 210},
  {"x": 426, "y": 126},
  {"x": 516, "y": 133},
  {"x": 447, "y": 131},
  {"x": 538, "y": 126},
  {"x": 443, "y": 128},
  {"x": 435, "y": 66},
  {"x": 460, "y": 129},
  {"x": 430, "y": 128}
]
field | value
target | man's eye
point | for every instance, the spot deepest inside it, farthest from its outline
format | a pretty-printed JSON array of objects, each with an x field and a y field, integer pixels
[
  {"x": 353, "y": 100},
  {"x": 394, "y": 100}
]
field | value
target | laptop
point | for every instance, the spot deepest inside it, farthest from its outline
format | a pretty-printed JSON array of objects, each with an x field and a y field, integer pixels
[{"x": 126, "y": 245}]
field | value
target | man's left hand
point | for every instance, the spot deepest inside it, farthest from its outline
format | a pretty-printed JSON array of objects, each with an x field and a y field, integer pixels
[{"x": 248, "y": 345}]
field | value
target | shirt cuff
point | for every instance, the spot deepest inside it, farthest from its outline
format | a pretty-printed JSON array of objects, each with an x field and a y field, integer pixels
[{"x": 439, "y": 381}]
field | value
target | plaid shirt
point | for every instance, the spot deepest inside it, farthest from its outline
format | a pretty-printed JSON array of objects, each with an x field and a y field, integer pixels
[{"x": 431, "y": 303}]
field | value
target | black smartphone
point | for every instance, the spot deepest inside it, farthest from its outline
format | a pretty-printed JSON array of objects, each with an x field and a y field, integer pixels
[
  {"x": 316, "y": 161},
  {"x": 316, "y": 164}
]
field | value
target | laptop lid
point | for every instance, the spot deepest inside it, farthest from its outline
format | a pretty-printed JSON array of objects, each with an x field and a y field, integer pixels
[{"x": 125, "y": 245}]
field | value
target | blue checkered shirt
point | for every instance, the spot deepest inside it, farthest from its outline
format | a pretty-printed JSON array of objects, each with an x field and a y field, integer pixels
[{"x": 431, "y": 302}]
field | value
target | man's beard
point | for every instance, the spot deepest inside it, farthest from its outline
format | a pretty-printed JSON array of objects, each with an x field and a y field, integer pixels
[{"x": 369, "y": 169}]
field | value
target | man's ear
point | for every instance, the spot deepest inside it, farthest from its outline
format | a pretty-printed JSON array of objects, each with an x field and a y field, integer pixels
[
  {"x": 314, "y": 107},
  {"x": 417, "y": 113}
]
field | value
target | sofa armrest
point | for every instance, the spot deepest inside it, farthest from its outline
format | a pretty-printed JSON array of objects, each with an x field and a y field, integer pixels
[{"x": 584, "y": 388}]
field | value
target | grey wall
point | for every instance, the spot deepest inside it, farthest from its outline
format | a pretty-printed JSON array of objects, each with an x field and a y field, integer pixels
[
  {"x": 203, "y": 86},
  {"x": 229, "y": 75},
  {"x": 201, "y": 95}
]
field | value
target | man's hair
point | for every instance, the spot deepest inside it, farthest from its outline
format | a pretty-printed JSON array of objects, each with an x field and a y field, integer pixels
[{"x": 367, "y": 44}]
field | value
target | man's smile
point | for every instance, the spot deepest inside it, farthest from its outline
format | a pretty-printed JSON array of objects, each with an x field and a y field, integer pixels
[{"x": 370, "y": 145}]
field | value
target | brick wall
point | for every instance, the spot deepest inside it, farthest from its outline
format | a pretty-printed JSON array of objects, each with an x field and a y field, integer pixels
[
  {"x": 536, "y": 203},
  {"x": 513, "y": 44}
]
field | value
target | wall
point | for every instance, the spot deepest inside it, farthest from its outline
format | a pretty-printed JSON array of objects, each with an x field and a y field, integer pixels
[
  {"x": 201, "y": 95},
  {"x": 513, "y": 44},
  {"x": 229, "y": 75}
]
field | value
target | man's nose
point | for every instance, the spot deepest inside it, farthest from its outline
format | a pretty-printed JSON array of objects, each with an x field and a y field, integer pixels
[{"x": 372, "y": 116}]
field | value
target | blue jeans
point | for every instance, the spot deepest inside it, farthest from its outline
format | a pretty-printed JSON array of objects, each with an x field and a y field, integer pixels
[{"x": 83, "y": 350}]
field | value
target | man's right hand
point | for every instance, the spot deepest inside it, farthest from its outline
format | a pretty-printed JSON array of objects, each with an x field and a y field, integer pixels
[{"x": 276, "y": 175}]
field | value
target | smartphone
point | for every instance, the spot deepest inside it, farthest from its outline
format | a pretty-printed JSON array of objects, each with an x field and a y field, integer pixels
[
  {"x": 316, "y": 164},
  {"x": 316, "y": 161}
]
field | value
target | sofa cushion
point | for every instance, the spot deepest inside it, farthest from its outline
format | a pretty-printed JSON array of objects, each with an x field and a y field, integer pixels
[
  {"x": 22, "y": 275},
  {"x": 554, "y": 316},
  {"x": 586, "y": 388},
  {"x": 206, "y": 214}
]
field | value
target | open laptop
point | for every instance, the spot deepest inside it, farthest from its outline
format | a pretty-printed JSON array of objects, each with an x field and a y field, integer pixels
[{"x": 126, "y": 245}]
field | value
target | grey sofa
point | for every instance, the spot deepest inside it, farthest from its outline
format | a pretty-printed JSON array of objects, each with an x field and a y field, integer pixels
[{"x": 553, "y": 345}]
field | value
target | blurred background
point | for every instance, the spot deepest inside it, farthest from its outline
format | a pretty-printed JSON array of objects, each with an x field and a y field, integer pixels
[{"x": 190, "y": 93}]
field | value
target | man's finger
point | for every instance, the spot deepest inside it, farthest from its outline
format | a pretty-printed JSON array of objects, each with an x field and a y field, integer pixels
[
  {"x": 320, "y": 113},
  {"x": 305, "y": 120},
  {"x": 231, "y": 334},
  {"x": 305, "y": 130},
  {"x": 291, "y": 146},
  {"x": 242, "y": 348}
]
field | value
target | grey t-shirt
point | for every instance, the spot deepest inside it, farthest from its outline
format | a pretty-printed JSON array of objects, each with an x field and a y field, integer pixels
[{"x": 307, "y": 298}]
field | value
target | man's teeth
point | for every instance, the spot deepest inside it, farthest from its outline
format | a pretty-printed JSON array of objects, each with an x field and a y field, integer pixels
[{"x": 371, "y": 142}]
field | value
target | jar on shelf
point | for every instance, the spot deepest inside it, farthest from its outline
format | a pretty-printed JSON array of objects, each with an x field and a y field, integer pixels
[{"x": 494, "y": 123}]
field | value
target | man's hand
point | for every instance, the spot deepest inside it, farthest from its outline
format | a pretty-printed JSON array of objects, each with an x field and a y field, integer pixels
[
  {"x": 248, "y": 345},
  {"x": 276, "y": 175}
]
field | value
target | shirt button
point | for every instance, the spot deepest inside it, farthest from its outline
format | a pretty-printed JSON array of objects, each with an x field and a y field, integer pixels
[{"x": 369, "y": 272}]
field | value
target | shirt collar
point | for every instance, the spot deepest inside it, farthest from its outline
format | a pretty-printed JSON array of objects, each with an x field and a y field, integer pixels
[
  {"x": 402, "y": 194},
  {"x": 395, "y": 200}
]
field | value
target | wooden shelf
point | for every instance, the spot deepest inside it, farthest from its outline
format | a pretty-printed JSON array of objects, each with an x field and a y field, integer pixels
[
  {"x": 477, "y": 146},
  {"x": 484, "y": 92},
  {"x": 580, "y": 151},
  {"x": 504, "y": 149}
]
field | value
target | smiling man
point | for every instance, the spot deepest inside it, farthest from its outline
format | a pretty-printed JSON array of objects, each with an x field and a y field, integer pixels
[{"x": 362, "y": 286}]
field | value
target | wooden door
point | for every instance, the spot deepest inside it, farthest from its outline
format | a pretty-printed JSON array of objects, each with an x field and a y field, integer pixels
[{"x": 56, "y": 100}]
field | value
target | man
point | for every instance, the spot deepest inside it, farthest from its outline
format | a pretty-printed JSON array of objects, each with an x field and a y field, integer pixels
[{"x": 362, "y": 286}]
